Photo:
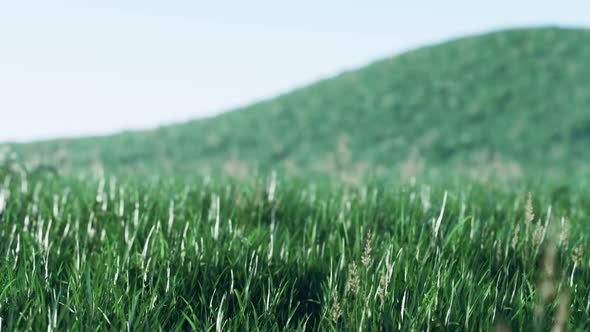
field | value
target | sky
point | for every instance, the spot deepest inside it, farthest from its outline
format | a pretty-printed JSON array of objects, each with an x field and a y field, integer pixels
[{"x": 77, "y": 68}]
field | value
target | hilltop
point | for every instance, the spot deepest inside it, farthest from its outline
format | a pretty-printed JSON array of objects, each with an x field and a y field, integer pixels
[{"x": 505, "y": 103}]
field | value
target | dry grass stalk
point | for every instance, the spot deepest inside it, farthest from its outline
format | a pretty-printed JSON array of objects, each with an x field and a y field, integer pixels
[
  {"x": 353, "y": 283},
  {"x": 529, "y": 215},
  {"x": 564, "y": 231},
  {"x": 515, "y": 237},
  {"x": 576, "y": 256},
  {"x": 336, "y": 310},
  {"x": 382, "y": 288},
  {"x": 366, "y": 257}
]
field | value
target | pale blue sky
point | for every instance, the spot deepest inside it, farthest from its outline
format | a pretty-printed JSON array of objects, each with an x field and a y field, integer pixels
[{"x": 70, "y": 68}]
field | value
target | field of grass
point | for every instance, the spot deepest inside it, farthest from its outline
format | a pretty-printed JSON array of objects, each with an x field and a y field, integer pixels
[
  {"x": 303, "y": 212},
  {"x": 277, "y": 254}
]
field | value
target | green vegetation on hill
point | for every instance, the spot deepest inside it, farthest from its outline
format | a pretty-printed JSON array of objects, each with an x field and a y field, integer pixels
[{"x": 506, "y": 103}]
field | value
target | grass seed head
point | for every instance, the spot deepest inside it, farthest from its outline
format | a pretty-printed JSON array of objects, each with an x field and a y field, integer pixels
[
  {"x": 382, "y": 288},
  {"x": 336, "y": 310},
  {"x": 353, "y": 282},
  {"x": 515, "y": 237},
  {"x": 366, "y": 257},
  {"x": 577, "y": 255},
  {"x": 564, "y": 229},
  {"x": 529, "y": 214}
]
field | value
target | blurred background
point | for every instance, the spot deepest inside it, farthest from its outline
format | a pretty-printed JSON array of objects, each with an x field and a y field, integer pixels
[{"x": 71, "y": 68}]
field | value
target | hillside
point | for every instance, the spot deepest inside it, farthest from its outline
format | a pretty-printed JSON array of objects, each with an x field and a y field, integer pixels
[{"x": 507, "y": 103}]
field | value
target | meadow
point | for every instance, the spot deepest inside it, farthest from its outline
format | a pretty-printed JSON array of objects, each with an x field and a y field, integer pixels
[
  {"x": 278, "y": 254},
  {"x": 445, "y": 188}
]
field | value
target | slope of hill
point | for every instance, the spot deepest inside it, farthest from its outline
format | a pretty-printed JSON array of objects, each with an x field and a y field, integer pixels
[{"x": 509, "y": 103}]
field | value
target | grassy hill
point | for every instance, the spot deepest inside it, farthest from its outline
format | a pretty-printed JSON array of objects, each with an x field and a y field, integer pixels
[
  {"x": 267, "y": 253},
  {"x": 507, "y": 103}
]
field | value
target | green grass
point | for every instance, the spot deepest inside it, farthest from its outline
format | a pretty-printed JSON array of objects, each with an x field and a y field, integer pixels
[
  {"x": 267, "y": 254},
  {"x": 343, "y": 237},
  {"x": 508, "y": 103}
]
